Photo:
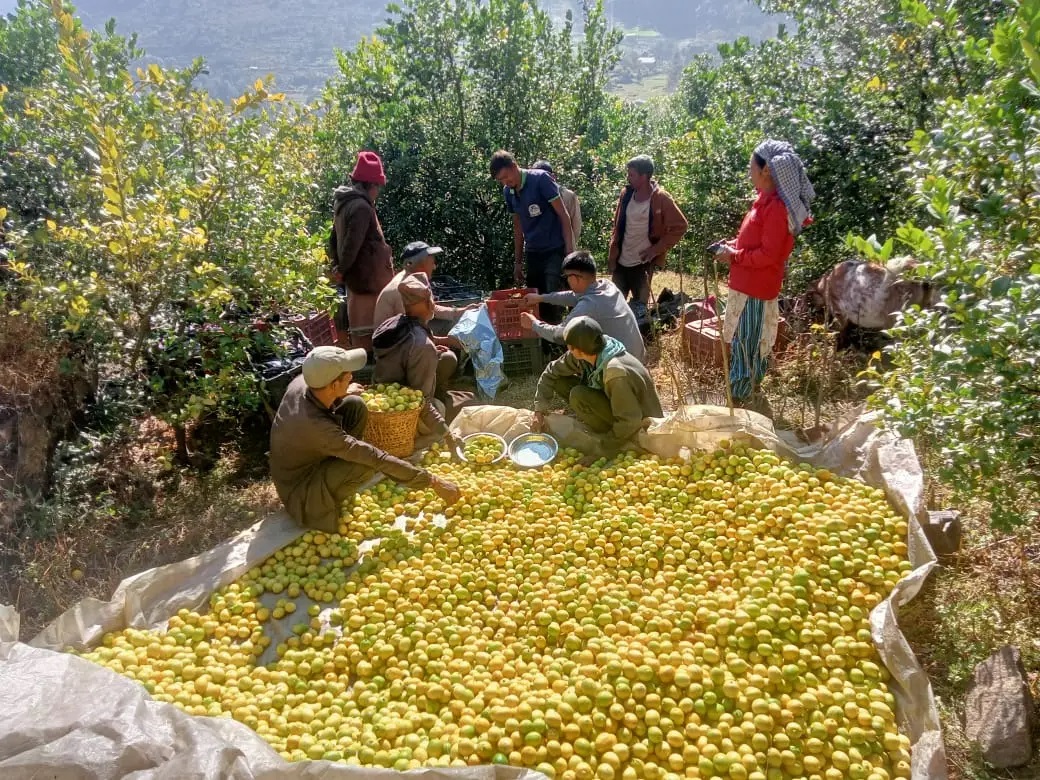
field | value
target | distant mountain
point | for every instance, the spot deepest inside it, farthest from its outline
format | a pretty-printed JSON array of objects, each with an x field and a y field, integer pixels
[{"x": 242, "y": 40}]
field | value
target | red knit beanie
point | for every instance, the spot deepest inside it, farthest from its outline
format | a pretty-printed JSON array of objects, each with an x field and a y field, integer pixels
[{"x": 369, "y": 169}]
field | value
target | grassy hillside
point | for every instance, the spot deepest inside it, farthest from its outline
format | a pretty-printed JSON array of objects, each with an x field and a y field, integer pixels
[{"x": 296, "y": 41}]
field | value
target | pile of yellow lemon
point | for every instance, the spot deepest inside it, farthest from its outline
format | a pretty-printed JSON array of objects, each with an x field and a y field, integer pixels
[
  {"x": 391, "y": 398},
  {"x": 482, "y": 449},
  {"x": 640, "y": 618}
]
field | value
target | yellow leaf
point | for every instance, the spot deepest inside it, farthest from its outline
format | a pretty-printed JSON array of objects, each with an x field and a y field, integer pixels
[
  {"x": 183, "y": 213},
  {"x": 258, "y": 85},
  {"x": 156, "y": 73},
  {"x": 875, "y": 84},
  {"x": 52, "y": 225},
  {"x": 3, "y": 214}
]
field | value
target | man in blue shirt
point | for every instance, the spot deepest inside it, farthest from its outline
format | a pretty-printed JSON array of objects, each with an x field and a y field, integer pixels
[{"x": 542, "y": 231}]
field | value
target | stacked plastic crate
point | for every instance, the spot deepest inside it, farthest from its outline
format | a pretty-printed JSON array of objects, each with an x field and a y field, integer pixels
[
  {"x": 521, "y": 348},
  {"x": 447, "y": 291},
  {"x": 702, "y": 334}
]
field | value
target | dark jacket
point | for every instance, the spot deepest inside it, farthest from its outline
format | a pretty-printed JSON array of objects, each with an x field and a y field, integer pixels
[
  {"x": 362, "y": 255},
  {"x": 405, "y": 353},
  {"x": 667, "y": 224},
  {"x": 305, "y": 438}
]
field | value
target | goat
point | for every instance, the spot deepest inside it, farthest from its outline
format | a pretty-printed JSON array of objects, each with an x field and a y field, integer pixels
[{"x": 868, "y": 295}]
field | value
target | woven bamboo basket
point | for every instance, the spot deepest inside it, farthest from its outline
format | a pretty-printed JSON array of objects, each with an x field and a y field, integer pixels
[{"x": 393, "y": 432}]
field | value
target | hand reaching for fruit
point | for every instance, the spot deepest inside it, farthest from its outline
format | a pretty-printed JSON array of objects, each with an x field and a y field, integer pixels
[
  {"x": 538, "y": 422},
  {"x": 448, "y": 492}
]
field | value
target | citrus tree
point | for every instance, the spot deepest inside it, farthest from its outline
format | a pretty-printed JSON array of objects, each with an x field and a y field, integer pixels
[
  {"x": 965, "y": 376},
  {"x": 443, "y": 85},
  {"x": 175, "y": 209},
  {"x": 848, "y": 88}
]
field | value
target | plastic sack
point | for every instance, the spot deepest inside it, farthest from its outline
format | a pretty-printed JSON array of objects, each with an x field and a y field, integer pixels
[{"x": 477, "y": 334}]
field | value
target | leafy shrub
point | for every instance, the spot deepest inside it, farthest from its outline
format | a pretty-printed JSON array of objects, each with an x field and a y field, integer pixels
[{"x": 965, "y": 373}]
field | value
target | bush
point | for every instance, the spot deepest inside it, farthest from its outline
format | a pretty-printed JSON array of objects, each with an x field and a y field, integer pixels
[
  {"x": 965, "y": 373},
  {"x": 167, "y": 208}
]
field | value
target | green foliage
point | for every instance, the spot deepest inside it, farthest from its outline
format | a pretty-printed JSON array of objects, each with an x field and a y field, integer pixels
[
  {"x": 28, "y": 46},
  {"x": 965, "y": 373},
  {"x": 848, "y": 90},
  {"x": 445, "y": 84},
  {"x": 173, "y": 207},
  {"x": 33, "y": 181}
]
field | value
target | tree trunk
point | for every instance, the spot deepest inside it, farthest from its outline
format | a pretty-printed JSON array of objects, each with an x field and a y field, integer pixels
[{"x": 34, "y": 445}]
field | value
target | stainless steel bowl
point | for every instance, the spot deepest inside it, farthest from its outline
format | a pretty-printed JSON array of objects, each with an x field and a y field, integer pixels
[
  {"x": 533, "y": 450},
  {"x": 460, "y": 450}
]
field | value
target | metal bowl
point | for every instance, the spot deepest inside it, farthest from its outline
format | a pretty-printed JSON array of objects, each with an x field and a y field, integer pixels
[
  {"x": 533, "y": 450},
  {"x": 460, "y": 449}
]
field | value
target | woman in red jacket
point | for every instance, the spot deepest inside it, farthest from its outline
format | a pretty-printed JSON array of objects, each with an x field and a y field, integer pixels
[{"x": 758, "y": 258}]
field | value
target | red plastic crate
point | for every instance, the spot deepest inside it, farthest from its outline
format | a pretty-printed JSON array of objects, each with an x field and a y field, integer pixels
[
  {"x": 699, "y": 309},
  {"x": 319, "y": 329},
  {"x": 504, "y": 307},
  {"x": 703, "y": 341}
]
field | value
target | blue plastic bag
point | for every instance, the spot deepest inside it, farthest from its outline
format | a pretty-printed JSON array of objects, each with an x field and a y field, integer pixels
[{"x": 477, "y": 334}]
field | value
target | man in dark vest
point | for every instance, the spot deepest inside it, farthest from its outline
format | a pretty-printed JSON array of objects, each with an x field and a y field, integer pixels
[{"x": 364, "y": 260}]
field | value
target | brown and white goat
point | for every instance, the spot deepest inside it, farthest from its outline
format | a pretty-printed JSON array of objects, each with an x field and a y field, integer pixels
[{"x": 868, "y": 295}]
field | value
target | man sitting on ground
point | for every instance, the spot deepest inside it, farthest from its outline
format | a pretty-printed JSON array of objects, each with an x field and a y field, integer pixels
[
  {"x": 318, "y": 459},
  {"x": 607, "y": 389},
  {"x": 419, "y": 258},
  {"x": 599, "y": 299},
  {"x": 406, "y": 353}
]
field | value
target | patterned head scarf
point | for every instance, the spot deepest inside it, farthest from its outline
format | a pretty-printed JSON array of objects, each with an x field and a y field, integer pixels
[{"x": 791, "y": 182}]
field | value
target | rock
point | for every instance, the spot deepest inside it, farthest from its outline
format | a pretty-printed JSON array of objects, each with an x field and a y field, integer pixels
[
  {"x": 943, "y": 530},
  {"x": 998, "y": 710}
]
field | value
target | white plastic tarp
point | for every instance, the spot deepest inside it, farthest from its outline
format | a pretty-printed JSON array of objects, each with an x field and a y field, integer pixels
[{"x": 64, "y": 717}]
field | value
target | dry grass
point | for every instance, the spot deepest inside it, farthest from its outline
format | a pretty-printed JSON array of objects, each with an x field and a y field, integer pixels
[
  {"x": 145, "y": 514},
  {"x": 28, "y": 362},
  {"x": 691, "y": 284},
  {"x": 809, "y": 385},
  {"x": 979, "y": 600}
]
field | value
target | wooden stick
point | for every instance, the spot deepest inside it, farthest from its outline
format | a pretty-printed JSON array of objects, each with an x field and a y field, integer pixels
[
  {"x": 824, "y": 373},
  {"x": 680, "y": 396},
  {"x": 725, "y": 351}
]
